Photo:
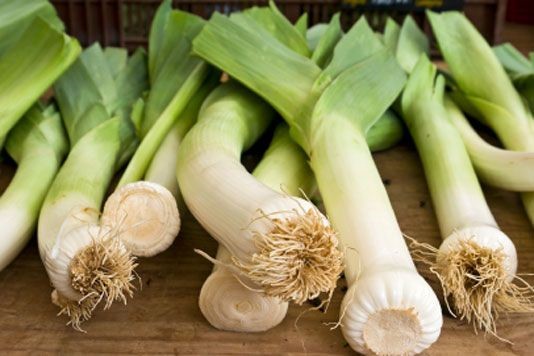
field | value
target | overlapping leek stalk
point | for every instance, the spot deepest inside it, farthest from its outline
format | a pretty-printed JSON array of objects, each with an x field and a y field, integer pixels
[
  {"x": 482, "y": 87},
  {"x": 86, "y": 262},
  {"x": 147, "y": 211},
  {"x": 329, "y": 111},
  {"x": 280, "y": 244},
  {"x": 477, "y": 262},
  {"x": 33, "y": 54},
  {"x": 38, "y": 144}
]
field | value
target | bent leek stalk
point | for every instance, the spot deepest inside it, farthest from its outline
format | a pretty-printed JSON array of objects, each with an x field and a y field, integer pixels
[
  {"x": 477, "y": 262},
  {"x": 86, "y": 262},
  {"x": 279, "y": 244},
  {"x": 329, "y": 111},
  {"x": 483, "y": 88},
  {"x": 38, "y": 145},
  {"x": 225, "y": 302},
  {"x": 175, "y": 76}
]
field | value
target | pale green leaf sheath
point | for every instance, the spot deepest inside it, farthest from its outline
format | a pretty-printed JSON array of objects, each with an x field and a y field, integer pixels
[
  {"x": 86, "y": 261},
  {"x": 483, "y": 88},
  {"x": 476, "y": 262},
  {"x": 279, "y": 244},
  {"x": 38, "y": 144},
  {"x": 506, "y": 169},
  {"x": 177, "y": 80},
  {"x": 33, "y": 54},
  {"x": 329, "y": 112}
]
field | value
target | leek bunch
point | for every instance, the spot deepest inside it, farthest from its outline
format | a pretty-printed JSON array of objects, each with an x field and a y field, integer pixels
[
  {"x": 329, "y": 112},
  {"x": 86, "y": 262}
]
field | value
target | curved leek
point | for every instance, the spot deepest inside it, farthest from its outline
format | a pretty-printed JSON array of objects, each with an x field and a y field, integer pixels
[{"x": 281, "y": 244}]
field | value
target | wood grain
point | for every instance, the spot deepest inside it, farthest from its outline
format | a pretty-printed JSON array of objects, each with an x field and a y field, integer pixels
[{"x": 164, "y": 318}]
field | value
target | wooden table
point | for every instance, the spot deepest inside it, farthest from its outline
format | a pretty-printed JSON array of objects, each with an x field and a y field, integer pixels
[{"x": 164, "y": 318}]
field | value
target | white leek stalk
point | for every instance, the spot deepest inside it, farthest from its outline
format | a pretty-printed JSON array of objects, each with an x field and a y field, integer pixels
[
  {"x": 224, "y": 301},
  {"x": 483, "y": 88},
  {"x": 280, "y": 244},
  {"x": 476, "y": 263},
  {"x": 86, "y": 262},
  {"x": 30, "y": 64},
  {"x": 389, "y": 308},
  {"x": 38, "y": 145},
  {"x": 146, "y": 212}
]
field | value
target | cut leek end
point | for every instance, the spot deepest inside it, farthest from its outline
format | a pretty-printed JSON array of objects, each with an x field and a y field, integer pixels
[
  {"x": 298, "y": 257},
  {"x": 476, "y": 268},
  {"x": 89, "y": 266},
  {"x": 383, "y": 314},
  {"x": 145, "y": 216},
  {"x": 228, "y": 305}
]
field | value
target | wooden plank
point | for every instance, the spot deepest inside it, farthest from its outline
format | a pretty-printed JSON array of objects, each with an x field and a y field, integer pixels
[{"x": 164, "y": 318}]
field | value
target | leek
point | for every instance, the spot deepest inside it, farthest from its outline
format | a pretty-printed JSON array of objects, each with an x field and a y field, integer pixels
[
  {"x": 329, "y": 111},
  {"x": 483, "y": 88},
  {"x": 38, "y": 145},
  {"x": 476, "y": 262},
  {"x": 223, "y": 300},
  {"x": 148, "y": 222},
  {"x": 280, "y": 244},
  {"x": 175, "y": 77},
  {"x": 86, "y": 262},
  {"x": 29, "y": 66}
]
